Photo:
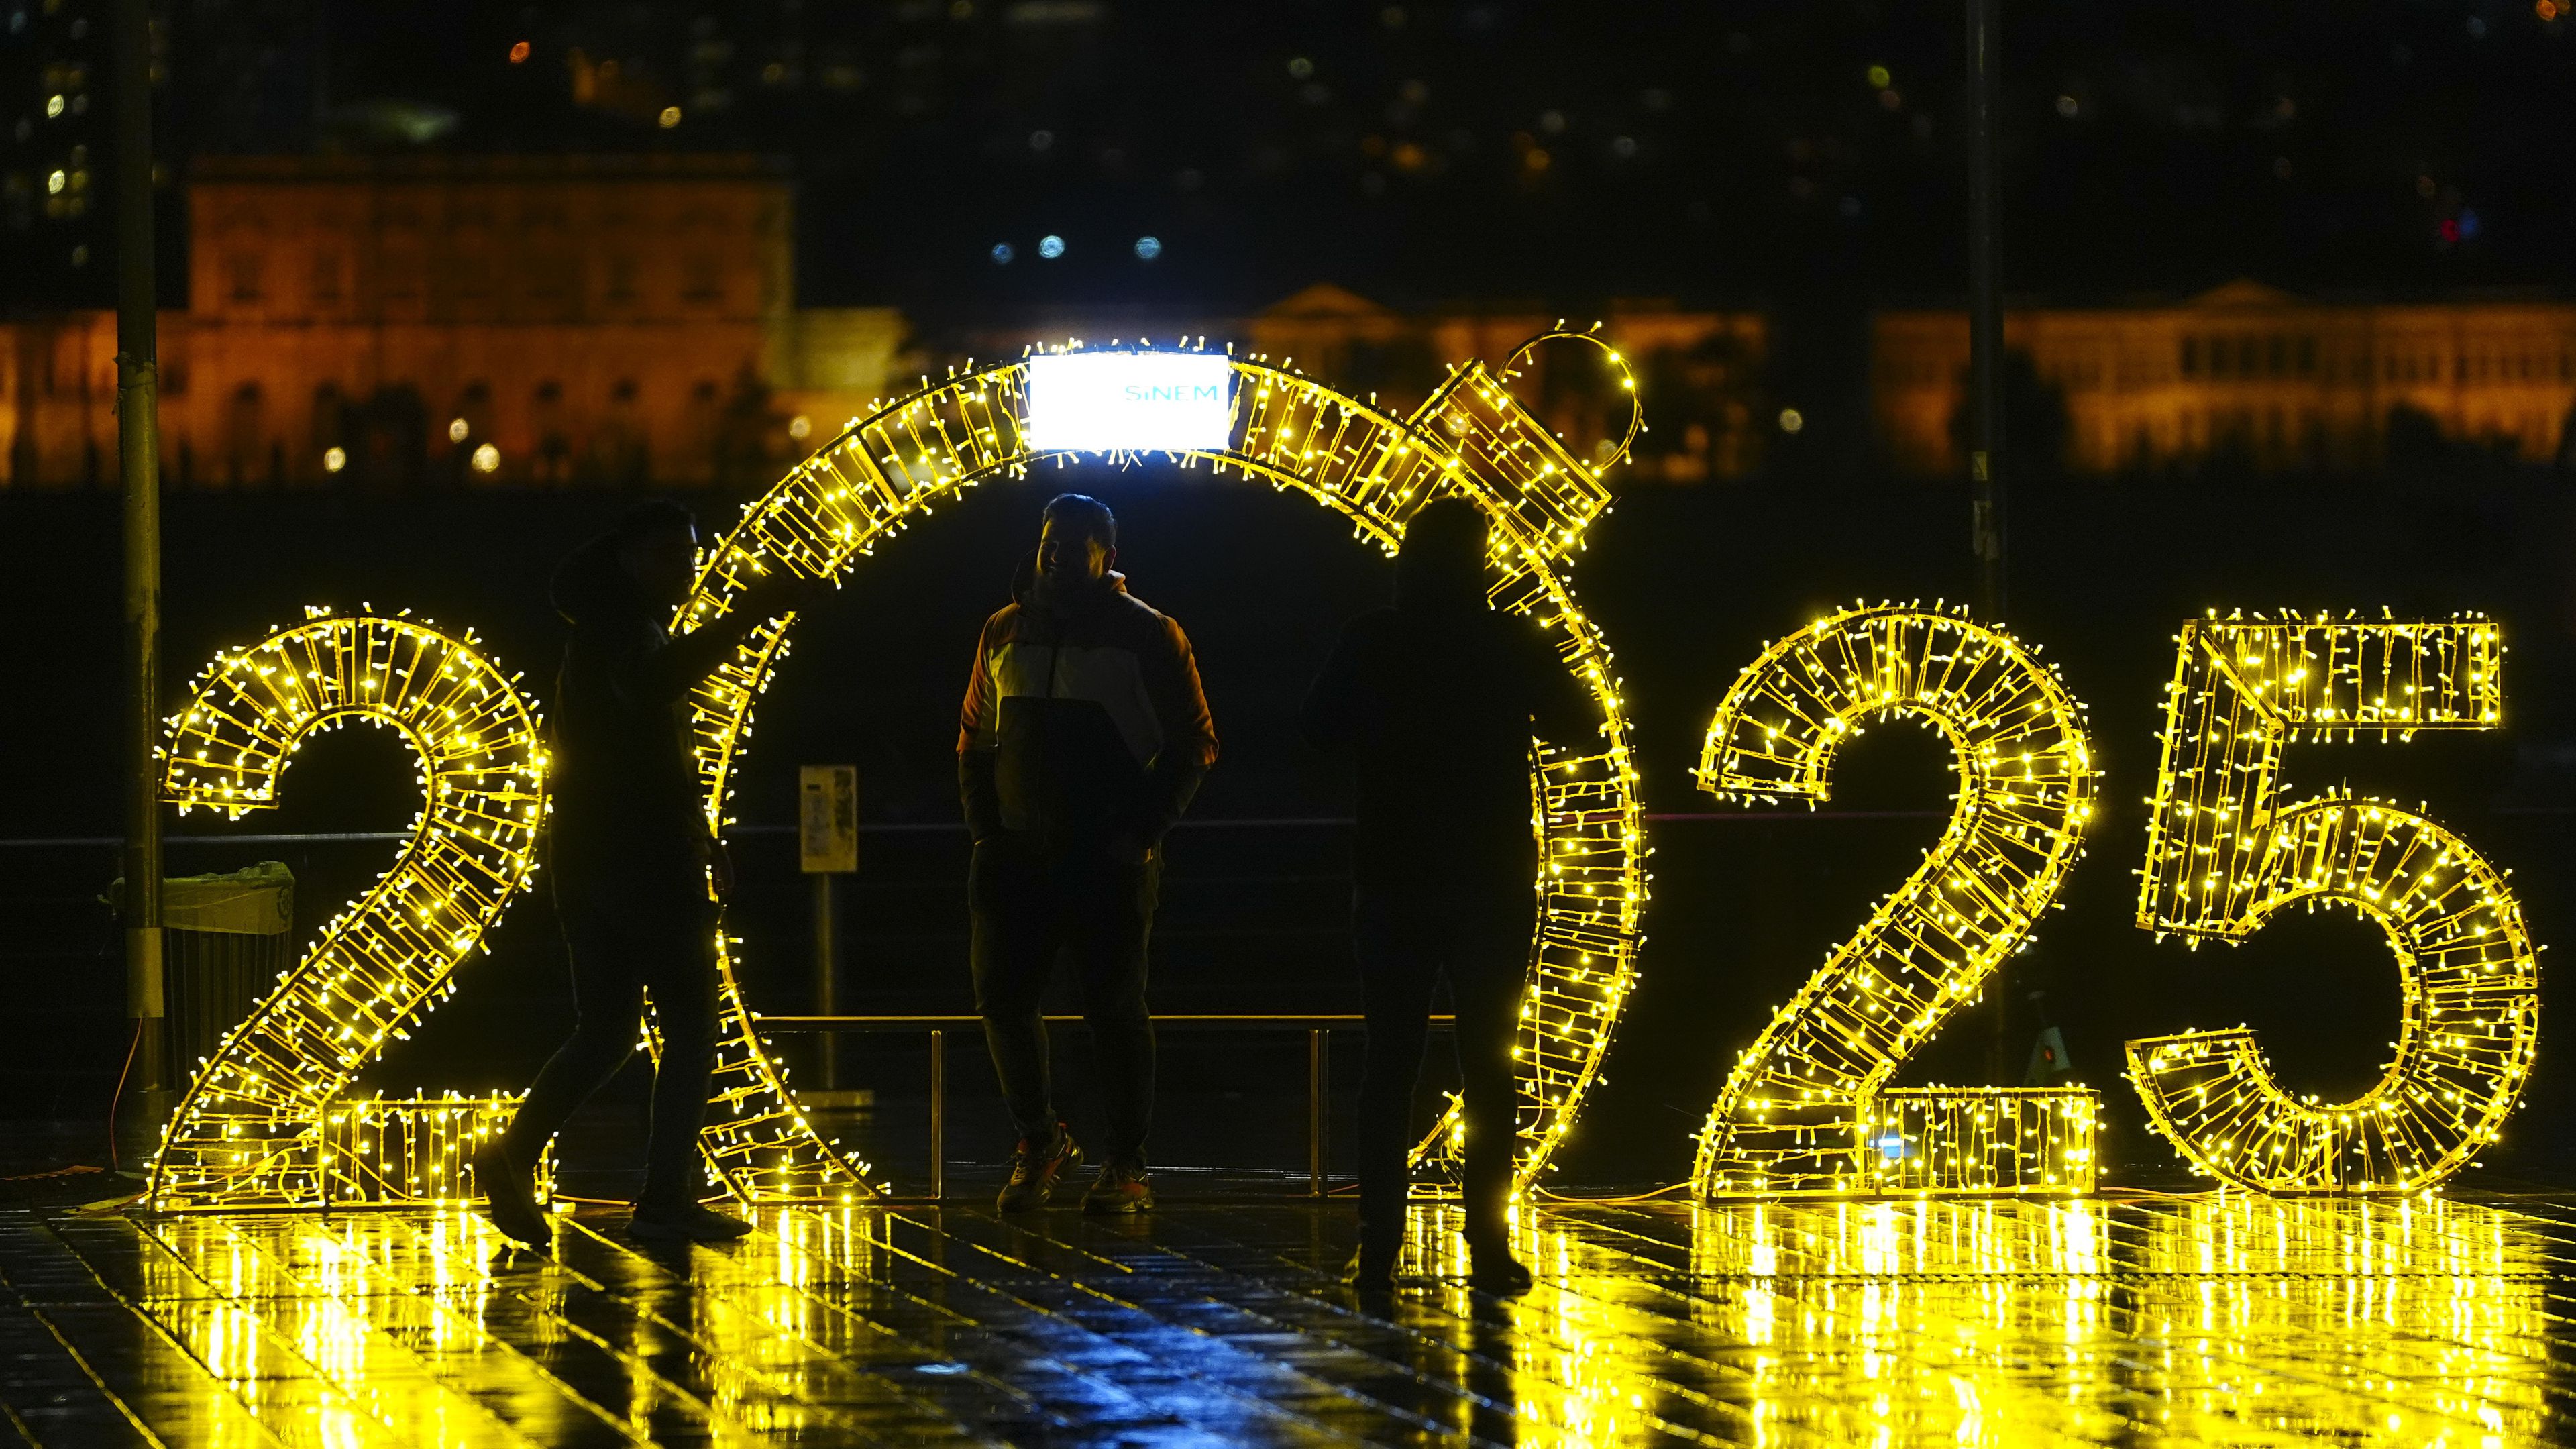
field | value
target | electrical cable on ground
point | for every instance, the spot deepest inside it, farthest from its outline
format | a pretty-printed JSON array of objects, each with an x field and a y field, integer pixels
[
  {"x": 121, "y": 1073},
  {"x": 1620, "y": 1200}
]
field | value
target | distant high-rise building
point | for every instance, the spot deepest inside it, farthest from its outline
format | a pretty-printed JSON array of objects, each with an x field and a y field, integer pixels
[{"x": 53, "y": 175}]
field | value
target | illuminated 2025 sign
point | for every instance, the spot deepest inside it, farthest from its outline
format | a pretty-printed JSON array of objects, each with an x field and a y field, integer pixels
[{"x": 1807, "y": 1109}]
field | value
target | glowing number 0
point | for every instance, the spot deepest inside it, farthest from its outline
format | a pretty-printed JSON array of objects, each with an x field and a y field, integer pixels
[
  {"x": 1806, "y": 1110},
  {"x": 2224, "y": 853},
  {"x": 251, "y": 1130},
  {"x": 1470, "y": 438}
]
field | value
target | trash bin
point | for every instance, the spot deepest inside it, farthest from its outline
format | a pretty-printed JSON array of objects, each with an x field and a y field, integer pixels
[{"x": 226, "y": 939}]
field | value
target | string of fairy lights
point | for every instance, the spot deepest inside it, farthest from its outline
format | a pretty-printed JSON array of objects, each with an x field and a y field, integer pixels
[
  {"x": 2226, "y": 853},
  {"x": 1803, "y": 1112},
  {"x": 251, "y": 1130},
  {"x": 1470, "y": 439},
  {"x": 415, "y": 1151}
]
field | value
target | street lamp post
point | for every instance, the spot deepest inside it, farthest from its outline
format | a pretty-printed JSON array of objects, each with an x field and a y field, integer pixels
[
  {"x": 1985, "y": 315},
  {"x": 138, "y": 454},
  {"x": 1985, "y": 366}
]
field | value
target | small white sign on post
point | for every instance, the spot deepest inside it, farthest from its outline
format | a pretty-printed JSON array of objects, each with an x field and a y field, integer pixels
[
  {"x": 827, "y": 819},
  {"x": 1130, "y": 402}
]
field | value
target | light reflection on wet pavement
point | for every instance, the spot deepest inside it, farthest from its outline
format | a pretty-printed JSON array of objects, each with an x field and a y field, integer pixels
[{"x": 2186, "y": 1320}]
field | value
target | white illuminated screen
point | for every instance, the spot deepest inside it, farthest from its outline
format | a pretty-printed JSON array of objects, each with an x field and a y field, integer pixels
[{"x": 1129, "y": 402}]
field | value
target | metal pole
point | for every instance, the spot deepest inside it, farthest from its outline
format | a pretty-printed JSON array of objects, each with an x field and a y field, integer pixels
[
  {"x": 827, "y": 972},
  {"x": 138, "y": 453},
  {"x": 1985, "y": 369},
  {"x": 1985, "y": 314},
  {"x": 1315, "y": 1112},
  {"x": 938, "y": 1115}
]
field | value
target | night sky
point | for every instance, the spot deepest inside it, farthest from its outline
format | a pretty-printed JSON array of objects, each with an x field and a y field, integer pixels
[{"x": 1438, "y": 152}]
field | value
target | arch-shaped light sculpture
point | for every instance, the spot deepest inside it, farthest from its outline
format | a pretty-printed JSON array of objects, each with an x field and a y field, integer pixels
[{"x": 1470, "y": 439}]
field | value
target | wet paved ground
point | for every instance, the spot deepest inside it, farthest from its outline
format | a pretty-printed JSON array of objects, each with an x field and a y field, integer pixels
[{"x": 2210, "y": 1320}]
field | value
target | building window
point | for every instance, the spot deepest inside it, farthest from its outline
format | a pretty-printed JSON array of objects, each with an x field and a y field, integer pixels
[
  {"x": 2307, "y": 357},
  {"x": 2191, "y": 357},
  {"x": 550, "y": 278},
  {"x": 241, "y": 272},
  {"x": 245, "y": 431},
  {"x": 326, "y": 278},
  {"x": 702, "y": 281}
]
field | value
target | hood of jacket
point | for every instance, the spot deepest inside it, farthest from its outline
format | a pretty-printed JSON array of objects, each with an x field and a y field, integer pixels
[
  {"x": 592, "y": 587},
  {"x": 1436, "y": 585}
]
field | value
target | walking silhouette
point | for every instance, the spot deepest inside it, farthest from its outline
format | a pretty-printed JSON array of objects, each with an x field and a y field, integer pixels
[
  {"x": 631, "y": 861},
  {"x": 1437, "y": 699}
]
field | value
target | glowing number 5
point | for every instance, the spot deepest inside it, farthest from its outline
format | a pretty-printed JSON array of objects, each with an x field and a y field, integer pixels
[
  {"x": 2224, "y": 853},
  {"x": 1806, "y": 1110}
]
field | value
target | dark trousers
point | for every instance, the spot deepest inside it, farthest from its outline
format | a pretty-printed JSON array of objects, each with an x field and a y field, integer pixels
[
  {"x": 1033, "y": 901},
  {"x": 1478, "y": 937},
  {"x": 655, "y": 934}
]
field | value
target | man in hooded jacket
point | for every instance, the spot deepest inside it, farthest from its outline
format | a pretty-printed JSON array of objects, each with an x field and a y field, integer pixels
[
  {"x": 1437, "y": 698},
  {"x": 632, "y": 862},
  {"x": 1083, "y": 737}
]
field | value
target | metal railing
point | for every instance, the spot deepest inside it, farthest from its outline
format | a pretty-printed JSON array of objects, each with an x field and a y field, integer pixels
[{"x": 1317, "y": 1026}]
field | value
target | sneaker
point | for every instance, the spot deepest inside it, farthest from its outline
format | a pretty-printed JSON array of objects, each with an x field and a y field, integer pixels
[
  {"x": 688, "y": 1222},
  {"x": 510, "y": 1200},
  {"x": 1491, "y": 1268},
  {"x": 1034, "y": 1169},
  {"x": 1121, "y": 1187}
]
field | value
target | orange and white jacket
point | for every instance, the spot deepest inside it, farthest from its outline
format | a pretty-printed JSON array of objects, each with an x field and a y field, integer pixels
[{"x": 1082, "y": 722}]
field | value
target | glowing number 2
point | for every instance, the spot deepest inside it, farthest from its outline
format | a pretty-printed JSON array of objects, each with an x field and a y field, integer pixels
[
  {"x": 1806, "y": 1110},
  {"x": 2224, "y": 853},
  {"x": 250, "y": 1132}
]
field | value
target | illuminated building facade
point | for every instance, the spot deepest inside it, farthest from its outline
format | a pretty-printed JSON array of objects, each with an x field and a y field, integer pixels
[
  {"x": 570, "y": 321},
  {"x": 441, "y": 322},
  {"x": 2251, "y": 377}
]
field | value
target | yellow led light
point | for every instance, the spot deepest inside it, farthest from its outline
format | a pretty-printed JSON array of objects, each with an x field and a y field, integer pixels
[
  {"x": 1807, "y": 1110},
  {"x": 251, "y": 1130},
  {"x": 2225, "y": 853},
  {"x": 415, "y": 1151},
  {"x": 1470, "y": 439}
]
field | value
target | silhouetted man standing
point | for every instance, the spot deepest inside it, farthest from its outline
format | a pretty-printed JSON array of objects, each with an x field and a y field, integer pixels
[
  {"x": 631, "y": 863},
  {"x": 1084, "y": 735},
  {"x": 1438, "y": 698}
]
